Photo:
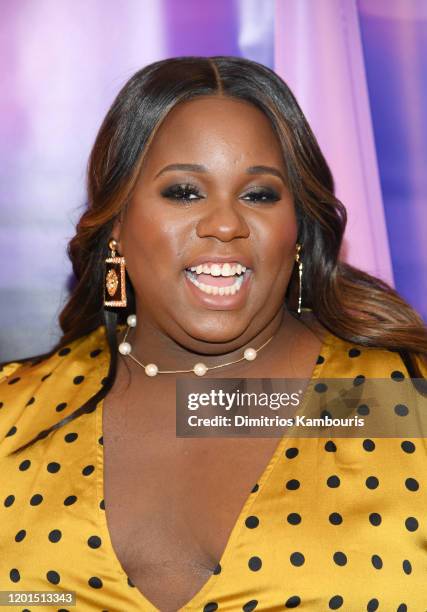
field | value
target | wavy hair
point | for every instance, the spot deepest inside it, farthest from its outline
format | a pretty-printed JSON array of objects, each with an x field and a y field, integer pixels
[{"x": 350, "y": 303}]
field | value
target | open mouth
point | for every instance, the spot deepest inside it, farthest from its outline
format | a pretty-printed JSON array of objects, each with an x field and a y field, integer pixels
[{"x": 218, "y": 279}]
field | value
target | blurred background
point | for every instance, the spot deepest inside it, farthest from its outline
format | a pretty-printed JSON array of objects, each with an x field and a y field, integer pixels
[{"x": 355, "y": 66}]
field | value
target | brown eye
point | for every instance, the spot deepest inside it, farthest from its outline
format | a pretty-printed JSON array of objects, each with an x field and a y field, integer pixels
[
  {"x": 262, "y": 195},
  {"x": 185, "y": 193}
]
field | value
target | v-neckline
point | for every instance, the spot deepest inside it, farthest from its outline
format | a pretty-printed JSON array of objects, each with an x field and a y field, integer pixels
[{"x": 201, "y": 595}]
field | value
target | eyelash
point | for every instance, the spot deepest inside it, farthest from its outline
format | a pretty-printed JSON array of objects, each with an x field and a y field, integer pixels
[{"x": 182, "y": 192}]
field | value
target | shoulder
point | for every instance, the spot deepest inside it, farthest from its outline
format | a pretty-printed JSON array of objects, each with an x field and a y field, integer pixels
[{"x": 34, "y": 395}]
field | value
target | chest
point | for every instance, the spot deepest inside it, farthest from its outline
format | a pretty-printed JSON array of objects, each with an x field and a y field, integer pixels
[{"x": 172, "y": 503}]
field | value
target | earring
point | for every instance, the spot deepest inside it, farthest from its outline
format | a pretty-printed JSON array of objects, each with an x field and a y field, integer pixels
[
  {"x": 300, "y": 268},
  {"x": 115, "y": 280}
]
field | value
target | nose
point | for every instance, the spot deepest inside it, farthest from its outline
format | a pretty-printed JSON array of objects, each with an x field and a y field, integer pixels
[{"x": 222, "y": 221}]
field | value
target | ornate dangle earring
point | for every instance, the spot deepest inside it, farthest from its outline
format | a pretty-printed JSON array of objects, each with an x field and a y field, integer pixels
[
  {"x": 300, "y": 268},
  {"x": 115, "y": 280}
]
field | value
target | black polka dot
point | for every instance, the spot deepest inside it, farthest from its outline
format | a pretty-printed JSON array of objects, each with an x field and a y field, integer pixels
[
  {"x": 372, "y": 605},
  {"x": 255, "y": 488},
  {"x": 130, "y": 583},
  {"x": 30, "y": 401},
  {"x": 9, "y": 500},
  {"x": 249, "y": 606},
  {"x": 43, "y": 434},
  {"x": 95, "y": 582},
  {"x": 87, "y": 470},
  {"x": 36, "y": 499},
  {"x": 210, "y": 607},
  {"x": 330, "y": 446},
  {"x": 397, "y": 375},
  {"x": 291, "y": 453},
  {"x": 12, "y": 431},
  {"x": 20, "y": 535},
  {"x": 64, "y": 351},
  {"x": 292, "y": 484},
  {"x": 320, "y": 387},
  {"x": 297, "y": 559},
  {"x": 294, "y": 518},
  {"x": 407, "y": 567},
  {"x": 46, "y": 376},
  {"x": 71, "y": 499},
  {"x": 363, "y": 410},
  {"x": 377, "y": 561},
  {"x": 336, "y": 602},
  {"x": 407, "y": 446},
  {"x": 368, "y": 445},
  {"x": 402, "y": 608},
  {"x": 325, "y": 414},
  {"x": 55, "y": 535},
  {"x": 252, "y": 522},
  {"x": 372, "y": 482},
  {"x": 94, "y": 542},
  {"x": 61, "y": 406},
  {"x": 14, "y": 575},
  {"x": 320, "y": 359},
  {"x": 254, "y": 563},
  {"x": 293, "y": 602},
  {"x": 96, "y": 352},
  {"x": 333, "y": 482},
  {"x": 101, "y": 440},
  {"x": 217, "y": 569},
  {"x": 53, "y": 577},
  {"x": 401, "y": 410},
  {"x": 13, "y": 381},
  {"x": 358, "y": 380},
  {"x": 53, "y": 467},
  {"x": 77, "y": 380},
  {"x": 102, "y": 504},
  {"x": 24, "y": 465},
  {"x": 340, "y": 558},
  {"x": 375, "y": 519},
  {"x": 411, "y": 523},
  {"x": 411, "y": 484},
  {"x": 70, "y": 437},
  {"x": 335, "y": 518},
  {"x": 353, "y": 352}
]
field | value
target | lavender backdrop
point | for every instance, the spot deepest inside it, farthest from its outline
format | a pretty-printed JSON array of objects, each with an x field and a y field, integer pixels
[{"x": 61, "y": 64}]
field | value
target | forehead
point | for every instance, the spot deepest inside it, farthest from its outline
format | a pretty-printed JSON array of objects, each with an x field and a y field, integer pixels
[{"x": 215, "y": 126}]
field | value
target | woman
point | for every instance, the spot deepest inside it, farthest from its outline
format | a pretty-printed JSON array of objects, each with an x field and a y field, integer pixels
[{"x": 207, "y": 186}]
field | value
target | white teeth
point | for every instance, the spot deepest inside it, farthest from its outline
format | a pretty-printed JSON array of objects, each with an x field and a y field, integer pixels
[
  {"x": 216, "y": 269},
  {"x": 214, "y": 290}
]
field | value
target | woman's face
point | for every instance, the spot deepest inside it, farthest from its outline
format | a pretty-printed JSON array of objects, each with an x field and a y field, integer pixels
[{"x": 212, "y": 189}]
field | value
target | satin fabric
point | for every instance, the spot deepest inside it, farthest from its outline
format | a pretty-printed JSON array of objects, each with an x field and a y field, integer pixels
[{"x": 329, "y": 542}]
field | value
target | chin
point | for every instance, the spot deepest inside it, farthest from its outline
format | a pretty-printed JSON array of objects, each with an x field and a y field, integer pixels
[{"x": 216, "y": 331}]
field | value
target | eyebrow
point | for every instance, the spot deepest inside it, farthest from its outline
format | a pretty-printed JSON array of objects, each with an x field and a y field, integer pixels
[{"x": 200, "y": 168}]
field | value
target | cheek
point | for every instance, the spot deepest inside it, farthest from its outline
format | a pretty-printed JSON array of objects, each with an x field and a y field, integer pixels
[
  {"x": 276, "y": 240},
  {"x": 152, "y": 243}
]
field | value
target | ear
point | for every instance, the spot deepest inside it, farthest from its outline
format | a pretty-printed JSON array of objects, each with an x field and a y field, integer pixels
[{"x": 116, "y": 231}]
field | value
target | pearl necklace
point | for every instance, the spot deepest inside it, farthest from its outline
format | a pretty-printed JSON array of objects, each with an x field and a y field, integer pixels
[{"x": 199, "y": 369}]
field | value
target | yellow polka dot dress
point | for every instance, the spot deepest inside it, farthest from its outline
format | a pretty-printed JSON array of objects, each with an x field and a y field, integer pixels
[{"x": 331, "y": 524}]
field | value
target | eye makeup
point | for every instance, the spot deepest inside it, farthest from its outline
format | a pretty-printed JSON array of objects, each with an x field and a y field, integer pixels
[{"x": 187, "y": 192}]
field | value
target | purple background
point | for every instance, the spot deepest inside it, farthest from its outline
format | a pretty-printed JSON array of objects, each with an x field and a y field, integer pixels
[{"x": 63, "y": 62}]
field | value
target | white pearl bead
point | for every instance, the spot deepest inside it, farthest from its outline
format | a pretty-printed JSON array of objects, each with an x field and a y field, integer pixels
[
  {"x": 151, "y": 369},
  {"x": 250, "y": 354},
  {"x": 200, "y": 369},
  {"x": 125, "y": 348},
  {"x": 131, "y": 320}
]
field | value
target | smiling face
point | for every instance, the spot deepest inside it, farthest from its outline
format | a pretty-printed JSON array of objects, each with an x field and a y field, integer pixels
[{"x": 212, "y": 189}]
